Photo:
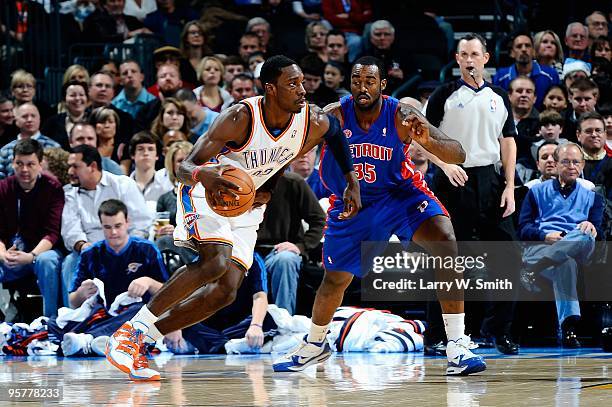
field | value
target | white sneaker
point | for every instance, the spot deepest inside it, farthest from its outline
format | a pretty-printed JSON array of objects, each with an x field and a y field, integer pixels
[
  {"x": 98, "y": 345},
  {"x": 304, "y": 355},
  {"x": 461, "y": 360},
  {"x": 73, "y": 343}
]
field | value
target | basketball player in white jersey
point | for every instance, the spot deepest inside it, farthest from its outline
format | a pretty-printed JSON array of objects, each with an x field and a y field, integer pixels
[{"x": 261, "y": 135}]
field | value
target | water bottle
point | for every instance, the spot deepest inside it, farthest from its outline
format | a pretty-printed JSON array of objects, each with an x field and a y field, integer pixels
[{"x": 18, "y": 242}]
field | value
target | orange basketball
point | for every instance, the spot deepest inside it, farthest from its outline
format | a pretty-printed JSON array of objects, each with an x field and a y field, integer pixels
[{"x": 247, "y": 195}]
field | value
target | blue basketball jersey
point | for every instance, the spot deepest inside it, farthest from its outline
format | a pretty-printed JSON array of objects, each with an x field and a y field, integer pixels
[{"x": 380, "y": 158}]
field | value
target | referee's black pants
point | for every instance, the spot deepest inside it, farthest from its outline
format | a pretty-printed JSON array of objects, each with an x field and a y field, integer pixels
[{"x": 476, "y": 216}]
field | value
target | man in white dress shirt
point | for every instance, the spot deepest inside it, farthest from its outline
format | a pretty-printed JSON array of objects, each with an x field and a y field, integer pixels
[{"x": 90, "y": 186}]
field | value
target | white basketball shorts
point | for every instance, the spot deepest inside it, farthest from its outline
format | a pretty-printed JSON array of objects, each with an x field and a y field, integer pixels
[{"x": 195, "y": 221}]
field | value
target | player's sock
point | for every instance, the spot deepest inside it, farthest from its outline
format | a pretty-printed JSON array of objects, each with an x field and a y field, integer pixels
[
  {"x": 317, "y": 333},
  {"x": 143, "y": 320},
  {"x": 454, "y": 324},
  {"x": 153, "y": 335}
]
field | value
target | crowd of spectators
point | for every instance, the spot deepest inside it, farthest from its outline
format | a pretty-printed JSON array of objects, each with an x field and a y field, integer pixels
[{"x": 117, "y": 135}]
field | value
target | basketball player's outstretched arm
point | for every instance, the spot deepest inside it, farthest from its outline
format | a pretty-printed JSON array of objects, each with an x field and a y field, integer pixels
[
  {"x": 412, "y": 125},
  {"x": 326, "y": 127},
  {"x": 232, "y": 125}
]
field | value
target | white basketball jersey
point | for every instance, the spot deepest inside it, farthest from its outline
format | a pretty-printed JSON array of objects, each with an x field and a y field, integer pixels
[{"x": 263, "y": 154}]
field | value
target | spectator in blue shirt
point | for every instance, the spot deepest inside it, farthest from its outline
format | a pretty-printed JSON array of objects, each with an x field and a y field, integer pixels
[
  {"x": 523, "y": 53},
  {"x": 133, "y": 96}
]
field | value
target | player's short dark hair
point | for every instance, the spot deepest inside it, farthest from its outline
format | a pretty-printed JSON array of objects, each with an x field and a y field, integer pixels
[
  {"x": 112, "y": 207},
  {"x": 185, "y": 95},
  {"x": 28, "y": 146},
  {"x": 589, "y": 116},
  {"x": 551, "y": 116},
  {"x": 144, "y": 137},
  {"x": 272, "y": 68},
  {"x": 90, "y": 155},
  {"x": 370, "y": 60},
  {"x": 474, "y": 36},
  {"x": 545, "y": 143}
]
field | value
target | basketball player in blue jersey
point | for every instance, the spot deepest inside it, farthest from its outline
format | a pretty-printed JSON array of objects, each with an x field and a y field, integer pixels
[
  {"x": 261, "y": 135},
  {"x": 396, "y": 200}
]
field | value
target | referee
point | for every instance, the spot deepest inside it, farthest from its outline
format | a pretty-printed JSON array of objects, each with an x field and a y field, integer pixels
[{"x": 479, "y": 199}]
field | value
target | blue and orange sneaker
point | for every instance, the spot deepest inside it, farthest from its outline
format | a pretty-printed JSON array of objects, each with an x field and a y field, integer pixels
[
  {"x": 304, "y": 355},
  {"x": 461, "y": 360},
  {"x": 125, "y": 351}
]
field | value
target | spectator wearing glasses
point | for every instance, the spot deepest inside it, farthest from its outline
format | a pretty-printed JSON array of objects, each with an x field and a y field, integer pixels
[
  {"x": 597, "y": 24},
  {"x": 577, "y": 41},
  {"x": 567, "y": 218},
  {"x": 23, "y": 90},
  {"x": 316, "y": 34},
  {"x": 194, "y": 44}
]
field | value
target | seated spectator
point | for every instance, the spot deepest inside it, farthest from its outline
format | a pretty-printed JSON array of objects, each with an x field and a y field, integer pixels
[
  {"x": 350, "y": 17},
  {"x": 27, "y": 121},
  {"x": 106, "y": 122},
  {"x": 573, "y": 70},
  {"x": 255, "y": 59},
  {"x": 597, "y": 25},
  {"x": 168, "y": 83},
  {"x": 422, "y": 163},
  {"x": 30, "y": 216},
  {"x": 521, "y": 92},
  {"x": 233, "y": 65},
  {"x": 194, "y": 44},
  {"x": 172, "y": 116},
  {"x": 577, "y": 41},
  {"x": 333, "y": 78},
  {"x": 8, "y": 130},
  {"x": 75, "y": 102},
  {"x": 177, "y": 152},
  {"x": 309, "y": 10},
  {"x": 133, "y": 96},
  {"x": 282, "y": 235},
  {"x": 597, "y": 166},
  {"x": 144, "y": 150},
  {"x": 261, "y": 27},
  {"x": 111, "y": 67},
  {"x": 606, "y": 112},
  {"x": 548, "y": 50},
  {"x": 316, "y": 93},
  {"x": 171, "y": 136},
  {"x": 55, "y": 164},
  {"x": 601, "y": 48},
  {"x": 84, "y": 133},
  {"x": 108, "y": 24},
  {"x": 168, "y": 21},
  {"x": 305, "y": 167},
  {"x": 241, "y": 86},
  {"x": 210, "y": 94},
  {"x": 173, "y": 56},
  {"x": 522, "y": 51},
  {"x": 101, "y": 94},
  {"x": 555, "y": 98},
  {"x": 547, "y": 167},
  {"x": 245, "y": 318},
  {"x": 23, "y": 90},
  {"x": 201, "y": 117},
  {"x": 249, "y": 43},
  {"x": 382, "y": 45},
  {"x": 123, "y": 263},
  {"x": 551, "y": 127},
  {"x": 568, "y": 227},
  {"x": 316, "y": 34},
  {"x": 90, "y": 186},
  {"x": 139, "y": 8},
  {"x": 583, "y": 97},
  {"x": 77, "y": 73},
  {"x": 335, "y": 46}
]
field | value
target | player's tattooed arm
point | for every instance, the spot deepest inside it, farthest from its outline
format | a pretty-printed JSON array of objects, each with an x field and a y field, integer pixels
[
  {"x": 233, "y": 125},
  {"x": 412, "y": 125}
]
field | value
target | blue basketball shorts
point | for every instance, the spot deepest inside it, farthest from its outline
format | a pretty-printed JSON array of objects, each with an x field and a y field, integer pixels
[{"x": 400, "y": 213}]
